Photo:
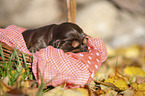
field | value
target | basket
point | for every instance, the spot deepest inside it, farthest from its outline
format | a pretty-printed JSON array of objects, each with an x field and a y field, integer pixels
[{"x": 7, "y": 51}]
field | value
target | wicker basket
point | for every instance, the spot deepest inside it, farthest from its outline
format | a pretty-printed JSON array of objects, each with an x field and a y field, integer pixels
[{"x": 6, "y": 52}]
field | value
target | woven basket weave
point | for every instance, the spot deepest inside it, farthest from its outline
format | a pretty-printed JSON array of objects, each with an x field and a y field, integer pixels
[{"x": 7, "y": 52}]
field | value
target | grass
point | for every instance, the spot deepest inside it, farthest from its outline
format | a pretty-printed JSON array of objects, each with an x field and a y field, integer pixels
[
  {"x": 116, "y": 66},
  {"x": 14, "y": 67}
]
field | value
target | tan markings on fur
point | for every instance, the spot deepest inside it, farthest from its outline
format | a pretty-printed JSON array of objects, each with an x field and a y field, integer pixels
[
  {"x": 85, "y": 41},
  {"x": 75, "y": 44}
]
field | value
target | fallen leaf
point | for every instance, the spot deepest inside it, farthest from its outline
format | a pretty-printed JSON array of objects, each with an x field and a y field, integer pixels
[
  {"x": 100, "y": 74},
  {"x": 108, "y": 84},
  {"x": 28, "y": 83},
  {"x": 111, "y": 51},
  {"x": 111, "y": 85},
  {"x": 111, "y": 93},
  {"x": 140, "y": 80},
  {"x": 126, "y": 78},
  {"x": 132, "y": 52},
  {"x": 141, "y": 87},
  {"x": 134, "y": 86},
  {"x": 30, "y": 91},
  {"x": 4, "y": 87},
  {"x": 15, "y": 92},
  {"x": 137, "y": 86},
  {"x": 134, "y": 71},
  {"x": 127, "y": 92},
  {"x": 139, "y": 93},
  {"x": 99, "y": 92},
  {"x": 118, "y": 82},
  {"x": 60, "y": 91},
  {"x": 20, "y": 88},
  {"x": 6, "y": 80},
  {"x": 129, "y": 52}
]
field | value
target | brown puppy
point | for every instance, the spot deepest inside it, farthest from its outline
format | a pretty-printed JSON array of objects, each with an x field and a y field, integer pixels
[{"x": 66, "y": 36}]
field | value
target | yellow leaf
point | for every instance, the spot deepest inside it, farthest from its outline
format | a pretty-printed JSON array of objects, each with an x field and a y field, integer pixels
[
  {"x": 134, "y": 85},
  {"x": 128, "y": 92},
  {"x": 99, "y": 92},
  {"x": 25, "y": 83},
  {"x": 30, "y": 91},
  {"x": 111, "y": 93},
  {"x": 141, "y": 86},
  {"x": 60, "y": 91},
  {"x": 13, "y": 71},
  {"x": 132, "y": 52},
  {"x": 4, "y": 87},
  {"x": 118, "y": 82},
  {"x": 111, "y": 51},
  {"x": 139, "y": 93},
  {"x": 76, "y": 92},
  {"x": 129, "y": 52},
  {"x": 134, "y": 71},
  {"x": 23, "y": 70}
]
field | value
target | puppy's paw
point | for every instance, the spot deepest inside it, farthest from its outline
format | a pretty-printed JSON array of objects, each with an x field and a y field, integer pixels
[{"x": 33, "y": 49}]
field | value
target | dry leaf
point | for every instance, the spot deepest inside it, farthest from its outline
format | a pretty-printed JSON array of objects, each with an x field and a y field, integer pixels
[
  {"x": 132, "y": 52},
  {"x": 129, "y": 52},
  {"x": 137, "y": 86},
  {"x": 6, "y": 80},
  {"x": 118, "y": 82},
  {"x": 140, "y": 80},
  {"x": 75, "y": 92},
  {"x": 134, "y": 86},
  {"x": 134, "y": 71},
  {"x": 139, "y": 93},
  {"x": 60, "y": 91},
  {"x": 111, "y": 93},
  {"x": 111, "y": 51},
  {"x": 141, "y": 87},
  {"x": 28, "y": 83},
  {"x": 127, "y": 92},
  {"x": 15, "y": 92},
  {"x": 20, "y": 88},
  {"x": 4, "y": 87},
  {"x": 126, "y": 78},
  {"x": 30, "y": 91},
  {"x": 111, "y": 85},
  {"x": 108, "y": 84},
  {"x": 100, "y": 74},
  {"x": 99, "y": 92}
]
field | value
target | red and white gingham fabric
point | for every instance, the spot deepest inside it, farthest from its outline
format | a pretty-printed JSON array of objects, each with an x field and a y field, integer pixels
[{"x": 53, "y": 64}]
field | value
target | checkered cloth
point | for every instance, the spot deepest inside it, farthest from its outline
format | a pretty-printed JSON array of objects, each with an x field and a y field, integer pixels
[{"x": 53, "y": 64}]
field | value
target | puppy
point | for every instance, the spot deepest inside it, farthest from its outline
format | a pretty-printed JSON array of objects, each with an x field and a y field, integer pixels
[{"x": 66, "y": 36}]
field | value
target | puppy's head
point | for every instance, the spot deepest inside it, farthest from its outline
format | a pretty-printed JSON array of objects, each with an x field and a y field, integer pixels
[{"x": 69, "y": 37}]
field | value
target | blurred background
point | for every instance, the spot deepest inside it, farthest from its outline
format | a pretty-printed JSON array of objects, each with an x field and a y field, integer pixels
[{"x": 118, "y": 22}]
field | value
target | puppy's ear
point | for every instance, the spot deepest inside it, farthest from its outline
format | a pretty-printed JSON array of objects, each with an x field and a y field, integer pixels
[{"x": 48, "y": 35}]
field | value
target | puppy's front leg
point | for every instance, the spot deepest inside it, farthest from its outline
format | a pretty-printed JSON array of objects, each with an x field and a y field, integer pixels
[{"x": 39, "y": 45}]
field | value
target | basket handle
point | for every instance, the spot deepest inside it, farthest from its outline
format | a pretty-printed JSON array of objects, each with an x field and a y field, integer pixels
[{"x": 71, "y": 10}]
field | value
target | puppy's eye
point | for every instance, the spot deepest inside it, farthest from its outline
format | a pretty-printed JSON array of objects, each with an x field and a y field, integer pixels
[
  {"x": 85, "y": 40},
  {"x": 75, "y": 44}
]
